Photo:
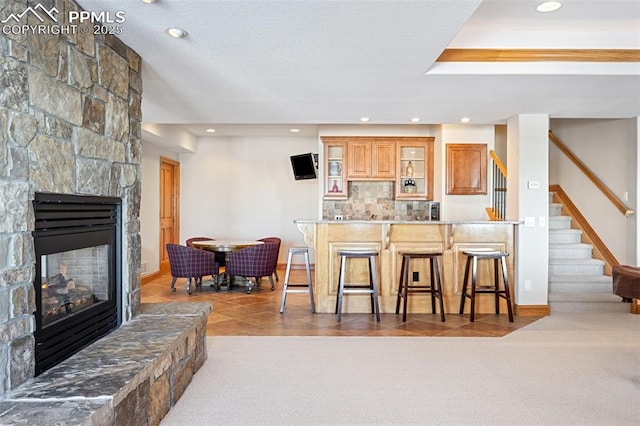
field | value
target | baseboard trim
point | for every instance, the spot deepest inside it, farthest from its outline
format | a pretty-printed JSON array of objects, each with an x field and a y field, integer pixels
[
  {"x": 283, "y": 266},
  {"x": 146, "y": 279},
  {"x": 532, "y": 310}
]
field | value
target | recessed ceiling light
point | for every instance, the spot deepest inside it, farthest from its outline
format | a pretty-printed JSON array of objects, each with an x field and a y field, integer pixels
[
  {"x": 210, "y": 130},
  {"x": 148, "y": 1},
  {"x": 549, "y": 6},
  {"x": 176, "y": 32},
  {"x": 294, "y": 130},
  {"x": 415, "y": 120},
  {"x": 364, "y": 119},
  {"x": 465, "y": 120}
]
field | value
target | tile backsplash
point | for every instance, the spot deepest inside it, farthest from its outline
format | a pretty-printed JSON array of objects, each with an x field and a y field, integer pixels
[{"x": 374, "y": 201}]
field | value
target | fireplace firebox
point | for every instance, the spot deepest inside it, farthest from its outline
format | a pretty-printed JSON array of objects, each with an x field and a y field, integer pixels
[{"x": 77, "y": 283}]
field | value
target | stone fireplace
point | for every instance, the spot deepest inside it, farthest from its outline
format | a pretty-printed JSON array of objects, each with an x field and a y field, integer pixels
[
  {"x": 77, "y": 275},
  {"x": 70, "y": 114}
]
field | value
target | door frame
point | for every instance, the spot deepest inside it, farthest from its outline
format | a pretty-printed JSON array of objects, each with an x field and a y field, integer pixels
[{"x": 175, "y": 194}]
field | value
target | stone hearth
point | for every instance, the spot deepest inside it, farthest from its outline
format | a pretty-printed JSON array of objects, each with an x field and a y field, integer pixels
[{"x": 131, "y": 377}]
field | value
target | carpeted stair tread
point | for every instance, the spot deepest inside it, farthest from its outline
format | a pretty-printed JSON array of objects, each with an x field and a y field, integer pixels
[
  {"x": 567, "y": 231},
  {"x": 570, "y": 250},
  {"x": 580, "y": 287},
  {"x": 570, "y": 245},
  {"x": 559, "y": 222},
  {"x": 565, "y": 236},
  {"x": 580, "y": 278},
  {"x": 568, "y": 260},
  {"x": 585, "y": 297}
]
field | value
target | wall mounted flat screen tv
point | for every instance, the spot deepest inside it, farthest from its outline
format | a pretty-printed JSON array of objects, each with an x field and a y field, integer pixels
[{"x": 304, "y": 166}]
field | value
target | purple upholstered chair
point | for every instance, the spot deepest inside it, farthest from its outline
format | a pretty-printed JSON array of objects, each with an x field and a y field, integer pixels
[
  {"x": 277, "y": 241},
  {"x": 254, "y": 262},
  {"x": 188, "y": 262}
]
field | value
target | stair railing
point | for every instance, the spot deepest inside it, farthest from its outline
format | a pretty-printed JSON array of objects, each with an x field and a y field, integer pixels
[
  {"x": 589, "y": 235},
  {"x": 498, "y": 209},
  {"x": 624, "y": 209}
]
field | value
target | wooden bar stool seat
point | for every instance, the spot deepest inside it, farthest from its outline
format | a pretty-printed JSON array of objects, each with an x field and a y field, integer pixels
[
  {"x": 435, "y": 283},
  {"x": 354, "y": 288},
  {"x": 288, "y": 287},
  {"x": 473, "y": 256}
]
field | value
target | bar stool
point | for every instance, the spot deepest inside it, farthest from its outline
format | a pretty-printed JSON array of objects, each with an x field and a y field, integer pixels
[
  {"x": 435, "y": 283},
  {"x": 297, "y": 251},
  {"x": 472, "y": 263},
  {"x": 371, "y": 289}
]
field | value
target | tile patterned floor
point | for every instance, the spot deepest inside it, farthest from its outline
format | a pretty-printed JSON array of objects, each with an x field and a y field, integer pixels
[{"x": 236, "y": 313}]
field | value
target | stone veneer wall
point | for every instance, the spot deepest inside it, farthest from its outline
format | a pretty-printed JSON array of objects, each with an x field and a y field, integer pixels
[
  {"x": 374, "y": 201},
  {"x": 70, "y": 115}
]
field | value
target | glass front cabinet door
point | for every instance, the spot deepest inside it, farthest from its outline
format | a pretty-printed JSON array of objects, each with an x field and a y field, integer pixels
[
  {"x": 335, "y": 177},
  {"x": 415, "y": 168}
]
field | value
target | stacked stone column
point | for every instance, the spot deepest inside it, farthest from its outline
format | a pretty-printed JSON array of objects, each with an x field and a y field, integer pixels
[{"x": 70, "y": 115}]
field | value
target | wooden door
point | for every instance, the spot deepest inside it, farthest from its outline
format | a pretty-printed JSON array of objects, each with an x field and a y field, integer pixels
[{"x": 169, "y": 208}]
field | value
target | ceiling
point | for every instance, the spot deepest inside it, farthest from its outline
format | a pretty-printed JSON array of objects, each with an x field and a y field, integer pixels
[{"x": 283, "y": 63}]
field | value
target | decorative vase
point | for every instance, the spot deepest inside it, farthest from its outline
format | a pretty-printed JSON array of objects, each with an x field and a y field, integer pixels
[
  {"x": 335, "y": 168},
  {"x": 409, "y": 171},
  {"x": 334, "y": 188}
]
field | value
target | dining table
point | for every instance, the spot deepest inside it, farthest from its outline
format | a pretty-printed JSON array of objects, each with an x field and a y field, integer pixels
[{"x": 226, "y": 247}]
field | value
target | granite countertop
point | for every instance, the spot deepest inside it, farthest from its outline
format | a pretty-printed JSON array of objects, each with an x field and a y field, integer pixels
[{"x": 416, "y": 222}]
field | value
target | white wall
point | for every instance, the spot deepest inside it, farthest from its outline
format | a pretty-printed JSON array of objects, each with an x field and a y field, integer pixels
[
  {"x": 243, "y": 188},
  {"x": 465, "y": 207},
  {"x": 150, "y": 204},
  {"x": 527, "y": 153},
  {"x": 501, "y": 143},
  {"x": 609, "y": 148}
]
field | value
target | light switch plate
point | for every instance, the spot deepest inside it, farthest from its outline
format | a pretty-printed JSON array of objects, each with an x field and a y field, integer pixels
[{"x": 529, "y": 221}]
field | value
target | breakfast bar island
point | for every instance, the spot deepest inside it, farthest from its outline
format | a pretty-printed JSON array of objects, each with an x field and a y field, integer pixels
[{"x": 390, "y": 239}]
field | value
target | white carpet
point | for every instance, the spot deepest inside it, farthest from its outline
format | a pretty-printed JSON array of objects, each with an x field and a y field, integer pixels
[{"x": 565, "y": 369}]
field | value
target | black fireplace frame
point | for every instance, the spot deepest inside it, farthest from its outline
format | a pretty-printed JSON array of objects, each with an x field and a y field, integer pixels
[{"x": 65, "y": 222}]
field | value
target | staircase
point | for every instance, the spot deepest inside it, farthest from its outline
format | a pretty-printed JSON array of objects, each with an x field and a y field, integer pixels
[{"x": 576, "y": 280}]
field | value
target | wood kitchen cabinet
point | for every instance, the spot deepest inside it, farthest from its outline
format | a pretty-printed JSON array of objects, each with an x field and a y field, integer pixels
[
  {"x": 415, "y": 168},
  {"x": 383, "y": 159},
  {"x": 335, "y": 177},
  {"x": 371, "y": 159},
  {"x": 466, "y": 169},
  {"x": 355, "y": 158},
  {"x": 359, "y": 166}
]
